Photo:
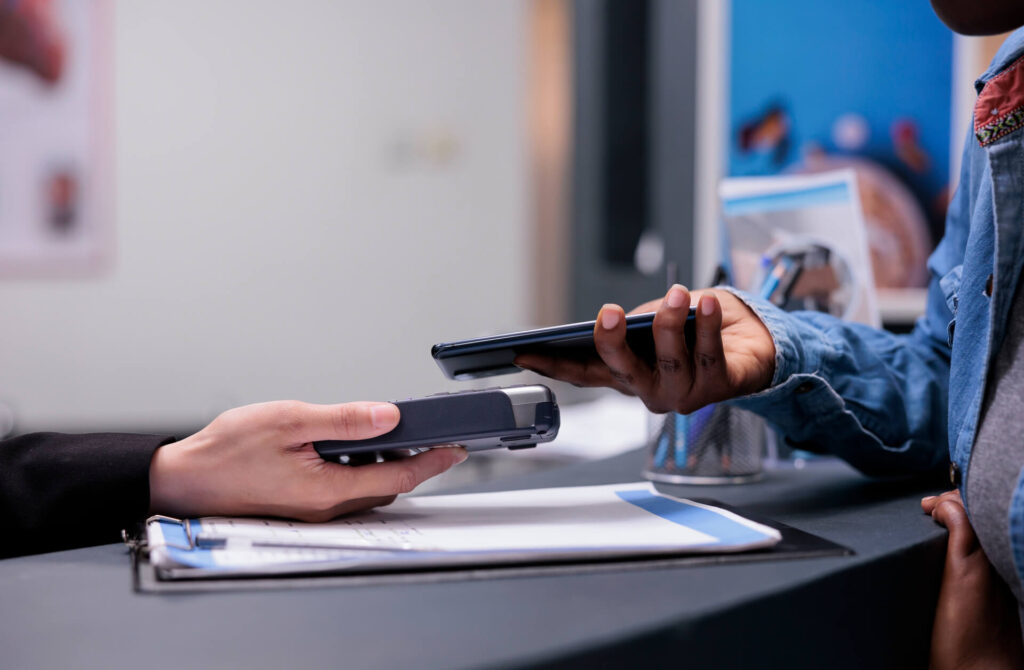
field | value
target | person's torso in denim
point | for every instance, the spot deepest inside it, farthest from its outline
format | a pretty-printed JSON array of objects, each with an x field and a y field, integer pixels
[{"x": 896, "y": 404}]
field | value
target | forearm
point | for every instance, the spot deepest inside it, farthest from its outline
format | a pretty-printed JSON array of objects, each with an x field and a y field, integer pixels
[
  {"x": 875, "y": 399},
  {"x": 60, "y": 491}
]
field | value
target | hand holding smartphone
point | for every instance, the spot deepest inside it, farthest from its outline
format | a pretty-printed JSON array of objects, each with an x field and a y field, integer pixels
[{"x": 487, "y": 356}]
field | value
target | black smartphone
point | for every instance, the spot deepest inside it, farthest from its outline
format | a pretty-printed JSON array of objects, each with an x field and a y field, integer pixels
[
  {"x": 515, "y": 417},
  {"x": 487, "y": 356}
]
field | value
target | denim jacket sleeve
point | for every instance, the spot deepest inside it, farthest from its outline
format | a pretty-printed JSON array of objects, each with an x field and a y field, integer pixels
[{"x": 875, "y": 399}]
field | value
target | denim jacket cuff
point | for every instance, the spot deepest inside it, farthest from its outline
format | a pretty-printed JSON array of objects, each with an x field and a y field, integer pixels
[{"x": 799, "y": 349}]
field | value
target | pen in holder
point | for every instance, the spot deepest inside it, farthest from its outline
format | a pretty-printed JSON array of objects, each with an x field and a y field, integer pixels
[{"x": 718, "y": 444}]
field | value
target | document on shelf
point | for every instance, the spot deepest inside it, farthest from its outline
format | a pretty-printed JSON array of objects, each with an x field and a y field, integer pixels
[{"x": 475, "y": 529}]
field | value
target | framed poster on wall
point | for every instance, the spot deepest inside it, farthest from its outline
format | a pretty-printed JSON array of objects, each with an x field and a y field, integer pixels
[
  {"x": 856, "y": 86},
  {"x": 55, "y": 94}
]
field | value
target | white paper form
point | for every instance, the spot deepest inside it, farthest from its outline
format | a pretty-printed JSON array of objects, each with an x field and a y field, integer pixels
[{"x": 481, "y": 528}]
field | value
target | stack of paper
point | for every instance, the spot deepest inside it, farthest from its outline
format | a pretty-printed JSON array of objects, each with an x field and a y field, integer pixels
[{"x": 539, "y": 525}]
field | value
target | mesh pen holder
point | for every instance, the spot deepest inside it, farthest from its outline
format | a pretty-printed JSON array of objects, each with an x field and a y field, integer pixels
[{"x": 718, "y": 444}]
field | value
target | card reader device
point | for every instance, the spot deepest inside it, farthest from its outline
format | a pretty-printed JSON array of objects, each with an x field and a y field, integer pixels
[{"x": 515, "y": 417}]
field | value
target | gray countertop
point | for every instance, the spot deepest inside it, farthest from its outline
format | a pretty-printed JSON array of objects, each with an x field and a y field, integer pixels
[{"x": 872, "y": 609}]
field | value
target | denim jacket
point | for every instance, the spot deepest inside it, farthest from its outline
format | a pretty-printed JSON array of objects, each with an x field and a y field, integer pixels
[{"x": 906, "y": 403}]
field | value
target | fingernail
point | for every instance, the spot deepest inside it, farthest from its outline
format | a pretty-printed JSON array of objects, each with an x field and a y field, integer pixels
[
  {"x": 609, "y": 317},
  {"x": 927, "y": 498},
  {"x": 461, "y": 456},
  {"x": 707, "y": 305},
  {"x": 675, "y": 297},
  {"x": 383, "y": 415}
]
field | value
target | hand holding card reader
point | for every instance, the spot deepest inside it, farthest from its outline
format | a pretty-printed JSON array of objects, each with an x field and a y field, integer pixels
[{"x": 515, "y": 417}]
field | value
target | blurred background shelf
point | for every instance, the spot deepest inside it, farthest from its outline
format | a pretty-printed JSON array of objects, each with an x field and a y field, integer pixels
[{"x": 900, "y": 308}]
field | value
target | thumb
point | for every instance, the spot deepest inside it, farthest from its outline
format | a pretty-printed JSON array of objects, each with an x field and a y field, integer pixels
[
  {"x": 952, "y": 515},
  {"x": 304, "y": 422}
]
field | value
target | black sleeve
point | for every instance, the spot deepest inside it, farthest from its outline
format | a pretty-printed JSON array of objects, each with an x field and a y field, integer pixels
[{"x": 61, "y": 491}]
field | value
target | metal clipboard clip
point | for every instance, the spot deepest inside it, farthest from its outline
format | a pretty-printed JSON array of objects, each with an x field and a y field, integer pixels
[
  {"x": 185, "y": 524},
  {"x": 194, "y": 542}
]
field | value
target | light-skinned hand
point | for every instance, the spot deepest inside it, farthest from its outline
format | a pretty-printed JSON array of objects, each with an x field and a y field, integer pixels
[
  {"x": 259, "y": 460},
  {"x": 733, "y": 353}
]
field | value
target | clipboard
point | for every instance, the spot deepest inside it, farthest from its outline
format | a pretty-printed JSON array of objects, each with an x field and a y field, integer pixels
[{"x": 795, "y": 544}]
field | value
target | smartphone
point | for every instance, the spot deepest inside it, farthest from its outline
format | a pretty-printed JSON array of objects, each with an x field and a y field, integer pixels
[
  {"x": 487, "y": 356},
  {"x": 515, "y": 417}
]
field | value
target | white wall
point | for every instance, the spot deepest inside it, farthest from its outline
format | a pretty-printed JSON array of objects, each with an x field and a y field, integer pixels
[{"x": 309, "y": 194}]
